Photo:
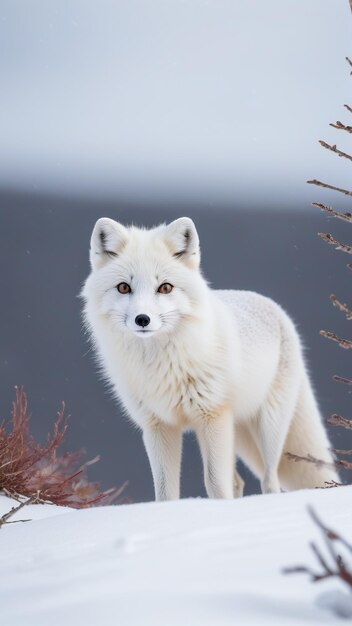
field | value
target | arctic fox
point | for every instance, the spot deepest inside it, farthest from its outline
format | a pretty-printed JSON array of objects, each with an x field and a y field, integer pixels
[{"x": 182, "y": 356}]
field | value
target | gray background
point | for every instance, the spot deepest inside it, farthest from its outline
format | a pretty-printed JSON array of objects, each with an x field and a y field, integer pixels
[{"x": 44, "y": 245}]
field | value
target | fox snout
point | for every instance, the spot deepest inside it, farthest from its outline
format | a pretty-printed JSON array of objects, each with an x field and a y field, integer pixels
[{"x": 142, "y": 320}]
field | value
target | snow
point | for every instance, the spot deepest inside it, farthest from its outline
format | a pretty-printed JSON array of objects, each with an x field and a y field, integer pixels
[
  {"x": 190, "y": 562},
  {"x": 338, "y": 602}
]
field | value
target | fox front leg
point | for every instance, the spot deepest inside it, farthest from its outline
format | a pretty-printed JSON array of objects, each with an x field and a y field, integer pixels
[
  {"x": 216, "y": 441},
  {"x": 163, "y": 444}
]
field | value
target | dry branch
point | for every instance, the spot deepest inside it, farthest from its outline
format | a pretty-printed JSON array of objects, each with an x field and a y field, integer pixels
[
  {"x": 4, "y": 519},
  {"x": 343, "y": 343},
  {"x": 341, "y": 126},
  {"x": 338, "y": 567},
  {"x": 347, "y": 217},
  {"x": 330, "y": 484},
  {"x": 336, "y": 150},
  {"x": 341, "y": 379},
  {"x": 310, "y": 459},
  {"x": 337, "y": 420},
  {"x": 319, "y": 462},
  {"x": 319, "y": 183},
  {"x": 342, "y": 307},
  {"x": 339, "y": 246},
  {"x": 27, "y": 467}
]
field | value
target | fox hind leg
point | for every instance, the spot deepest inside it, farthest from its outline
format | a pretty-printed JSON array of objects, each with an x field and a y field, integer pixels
[
  {"x": 272, "y": 425},
  {"x": 238, "y": 485}
]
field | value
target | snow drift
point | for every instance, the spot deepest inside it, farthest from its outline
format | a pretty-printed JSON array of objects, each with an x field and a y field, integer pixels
[{"x": 189, "y": 562}]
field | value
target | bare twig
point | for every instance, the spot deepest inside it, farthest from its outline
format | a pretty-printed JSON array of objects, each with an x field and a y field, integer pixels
[
  {"x": 309, "y": 459},
  {"x": 343, "y": 464},
  {"x": 342, "y": 307},
  {"x": 14, "y": 496},
  {"x": 329, "y": 534},
  {"x": 340, "y": 379},
  {"x": 319, "y": 462},
  {"x": 338, "y": 420},
  {"x": 343, "y": 343},
  {"x": 320, "y": 184},
  {"x": 336, "y": 150},
  {"x": 339, "y": 568},
  {"x": 303, "y": 569},
  {"x": 347, "y": 217},
  {"x": 346, "y": 452},
  {"x": 341, "y": 126},
  {"x": 4, "y": 519},
  {"x": 339, "y": 246},
  {"x": 330, "y": 484}
]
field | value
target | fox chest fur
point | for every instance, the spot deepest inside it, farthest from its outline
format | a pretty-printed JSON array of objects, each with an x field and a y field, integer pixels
[{"x": 169, "y": 384}]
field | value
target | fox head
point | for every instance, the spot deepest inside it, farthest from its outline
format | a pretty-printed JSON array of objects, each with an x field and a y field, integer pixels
[{"x": 144, "y": 282}]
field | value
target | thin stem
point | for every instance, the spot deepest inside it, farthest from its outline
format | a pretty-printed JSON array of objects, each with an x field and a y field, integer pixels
[
  {"x": 341, "y": 379},
  {"x": 343, "y": 343},
  {"x": 4, "y": 519},
  {"x": 341, "y": 126},
  {"x": 336, "y": 150},
  {"x": 342, "y": 307},
  {"x": 338, "y": 420},
  {"x": 319, "y": 183},
  {"x": 347, "y": 217},
  {"x": 339, "y": 246}
]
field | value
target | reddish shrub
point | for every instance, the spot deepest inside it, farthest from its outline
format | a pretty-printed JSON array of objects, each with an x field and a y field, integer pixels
[{"x": 28, "y": 468}]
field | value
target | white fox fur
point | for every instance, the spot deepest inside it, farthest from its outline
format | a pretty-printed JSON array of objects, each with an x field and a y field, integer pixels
[{"x": 226, "y": 364}]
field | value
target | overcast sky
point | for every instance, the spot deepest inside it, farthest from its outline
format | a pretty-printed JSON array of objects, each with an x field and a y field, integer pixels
[{"x": 216, "y": 99}]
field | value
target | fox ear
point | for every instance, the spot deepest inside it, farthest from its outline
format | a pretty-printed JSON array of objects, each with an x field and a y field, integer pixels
[
  {"x": 183, "y": 241},
  {"x": 108, "y": 239}
]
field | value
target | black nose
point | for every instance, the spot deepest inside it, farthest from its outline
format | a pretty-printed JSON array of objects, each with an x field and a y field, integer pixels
[{"x": 142, "y": 320}]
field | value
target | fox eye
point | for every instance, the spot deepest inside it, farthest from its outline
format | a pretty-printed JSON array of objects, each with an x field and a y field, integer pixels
[
  {"x": 165, "y": 288},
  {"x": 123, "y": 288}
]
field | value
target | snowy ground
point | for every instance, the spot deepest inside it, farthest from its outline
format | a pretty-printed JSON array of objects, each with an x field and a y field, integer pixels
[{"x": 187, "y": 563}]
